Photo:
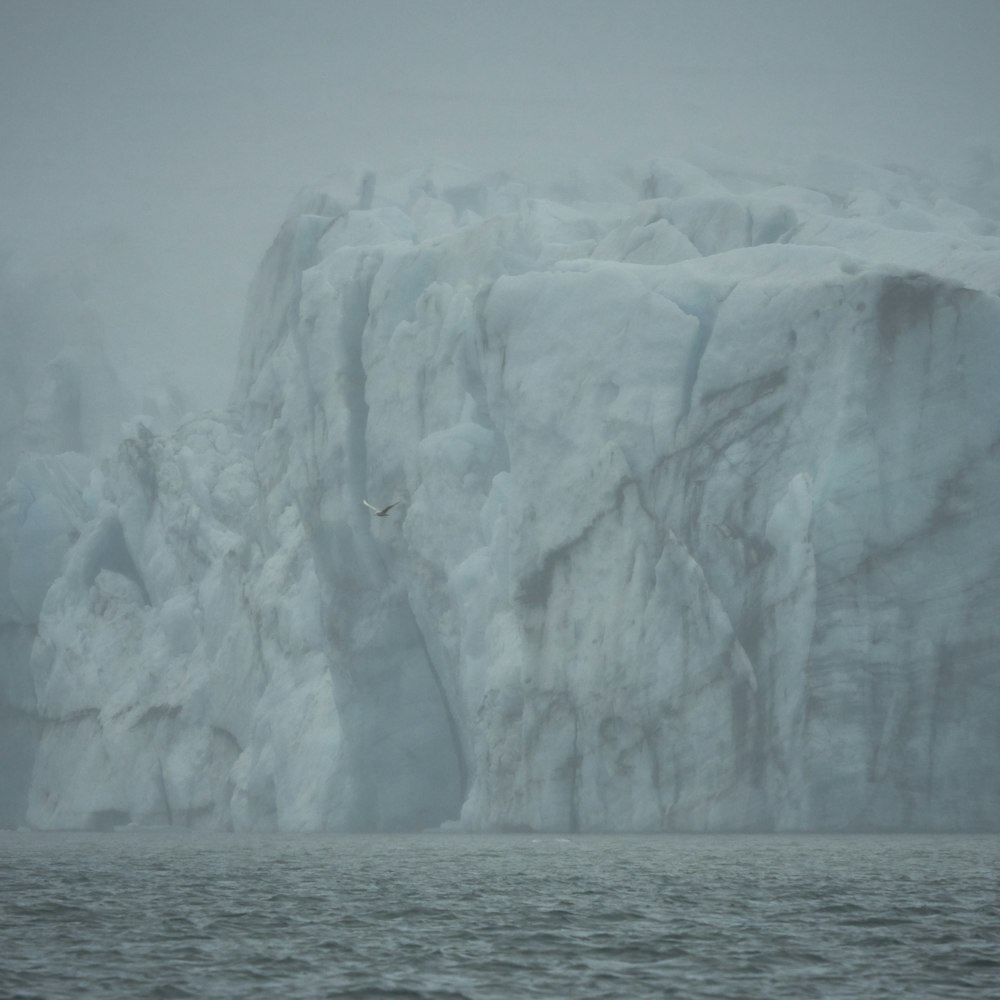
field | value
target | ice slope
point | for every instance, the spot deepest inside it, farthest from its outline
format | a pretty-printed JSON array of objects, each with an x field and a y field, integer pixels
[
  {"x": 59, "y": 401},
  {"x": 62, "y": 405},
  {"x": 699, "y": 524}
]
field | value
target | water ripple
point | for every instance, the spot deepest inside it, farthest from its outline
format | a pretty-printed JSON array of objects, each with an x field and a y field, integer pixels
[{"x": 170, "y": 915}]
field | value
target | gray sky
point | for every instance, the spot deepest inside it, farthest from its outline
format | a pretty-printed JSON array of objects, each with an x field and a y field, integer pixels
[{"x": 150, "y": 148}]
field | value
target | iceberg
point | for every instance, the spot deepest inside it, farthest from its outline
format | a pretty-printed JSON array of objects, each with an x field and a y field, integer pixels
[{"x": 696, "y": 525}]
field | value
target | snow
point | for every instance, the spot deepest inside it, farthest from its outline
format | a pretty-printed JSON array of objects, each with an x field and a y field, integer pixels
[{"x": 696, "y": 527}]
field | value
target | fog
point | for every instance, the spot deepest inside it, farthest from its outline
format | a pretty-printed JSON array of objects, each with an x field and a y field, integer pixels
[
  {"x": 150, "y": 150},
  {"x": 690, "y": 500}
]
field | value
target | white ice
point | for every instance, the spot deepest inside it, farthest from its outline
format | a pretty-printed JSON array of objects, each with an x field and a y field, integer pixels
[{"x": 698, "y": 524}]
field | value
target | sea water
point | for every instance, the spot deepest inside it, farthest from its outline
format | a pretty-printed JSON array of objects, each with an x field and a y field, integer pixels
[{"x": 172, "y": 914}]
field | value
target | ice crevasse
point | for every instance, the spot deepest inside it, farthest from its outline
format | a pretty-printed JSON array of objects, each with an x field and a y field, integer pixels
[{"x": 698, "y": 526}]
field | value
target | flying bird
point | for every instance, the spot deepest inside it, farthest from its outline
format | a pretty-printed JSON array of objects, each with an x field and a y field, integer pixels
[{"x": 379, "y": 511}]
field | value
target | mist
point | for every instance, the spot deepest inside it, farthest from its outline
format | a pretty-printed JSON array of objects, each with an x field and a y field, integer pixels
[
  {"x": 623, "y": 459},
  {"x": 495, "y": 440},
  {"x": 150, "y": 150}
]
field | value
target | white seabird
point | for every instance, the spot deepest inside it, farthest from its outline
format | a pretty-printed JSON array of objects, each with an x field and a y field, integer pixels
[{"x": 379, "y": 511}]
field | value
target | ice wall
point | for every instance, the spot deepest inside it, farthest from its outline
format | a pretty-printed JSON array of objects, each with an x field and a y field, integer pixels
[
  {"x": 62, "y": 405},
  {"x": 697, "y": 524}
]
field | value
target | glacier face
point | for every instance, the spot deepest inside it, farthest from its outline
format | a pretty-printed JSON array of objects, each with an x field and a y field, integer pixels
[
  {"x": 62, "y": 404},
  {"x": 698, "y": 525}
]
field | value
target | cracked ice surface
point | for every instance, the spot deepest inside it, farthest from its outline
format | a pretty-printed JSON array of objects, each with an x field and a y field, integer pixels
[{"x": 698, "y": 527}]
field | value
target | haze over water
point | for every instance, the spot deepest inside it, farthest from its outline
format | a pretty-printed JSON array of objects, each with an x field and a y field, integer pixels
[{"x": 150, "y": 152}]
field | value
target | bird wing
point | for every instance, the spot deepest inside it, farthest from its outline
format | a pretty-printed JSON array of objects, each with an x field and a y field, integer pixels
[{"x": 380, "y": 511}]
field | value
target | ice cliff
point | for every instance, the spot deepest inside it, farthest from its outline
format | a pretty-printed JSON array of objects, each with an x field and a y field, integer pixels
[
  {"x": 62, "y": 404},
  {"x": 699, "y": 524}
]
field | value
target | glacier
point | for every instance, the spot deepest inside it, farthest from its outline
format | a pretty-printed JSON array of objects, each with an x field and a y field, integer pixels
[
  {"x": 62, "y": 404},
  {"x": 698, "y": 526}
]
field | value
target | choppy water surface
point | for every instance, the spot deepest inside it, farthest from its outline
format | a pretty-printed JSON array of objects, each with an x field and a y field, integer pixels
[{"x": 139, "y": 914}]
